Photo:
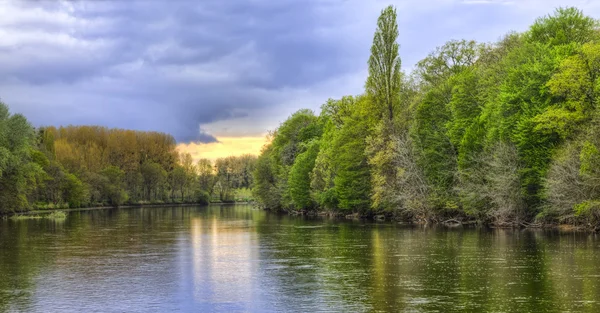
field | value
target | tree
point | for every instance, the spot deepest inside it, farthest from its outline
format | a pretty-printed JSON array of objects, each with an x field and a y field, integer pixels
[
  {"x": 179, "y": 180},
  {"x": 383, "y": 83},
  {"x": 187, "y": 163},
  {"x": 266, "y": 183},
  {"x": 74, "y": 191},
  {"x": 153, "y": 176},
  {"x": 325, "y": 169},
  {"x": 299, "y": 180},
  {"x": 565, "y": 26},
  {"x": 113, "y": 185},
  {"x": 353, "y": 176},
  {"x": 206, "y": 176},
  {"x": 16, "y": 168},
  {"x": 288, "y": 141},
  {"x": 383, "y": 89}
]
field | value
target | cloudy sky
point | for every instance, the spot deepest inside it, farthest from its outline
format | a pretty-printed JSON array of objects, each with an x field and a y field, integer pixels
[{"x": 218, "y": 74}]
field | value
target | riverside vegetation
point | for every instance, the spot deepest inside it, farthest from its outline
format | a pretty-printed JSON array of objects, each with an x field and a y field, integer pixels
[
  {"x": 501, "y": 133},
  {"x": 504, "y": 133},
  {"x": 83, "y": 166}
]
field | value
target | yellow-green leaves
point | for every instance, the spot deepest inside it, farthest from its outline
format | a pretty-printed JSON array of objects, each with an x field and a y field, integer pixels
[
  {"x": 576, "y": 82},
  {"x": 589, "y": 158},
  {"x": 559, "y": 121}
]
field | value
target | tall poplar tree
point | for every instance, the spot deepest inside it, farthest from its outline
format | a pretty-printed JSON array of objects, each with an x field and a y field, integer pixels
[
  {"x": 383, "y": 83},
  {"x": 383, "y": 90}
]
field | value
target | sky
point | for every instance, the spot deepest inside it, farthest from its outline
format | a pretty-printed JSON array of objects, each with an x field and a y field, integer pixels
[{"x": 217, "y": 75}]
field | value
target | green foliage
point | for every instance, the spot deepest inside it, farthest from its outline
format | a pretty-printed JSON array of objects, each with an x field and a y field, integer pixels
[
  {"x": 74, "y": 191},
  {"x": 383, "y": 83},
  {"x": 299, "y": 180},
  {"x": 266, "y": 181},
  {"x": 17, "y": 171},
  {"x": 565, "y": 26},
  {"x": 500, "y": 132},
  {"x": 300, "y": 127},
  {"x": 497, "y": 132},
  {"x": 113, "y": 186},
  {"x": 178, "y": 180},
  {"x": 324, "y": 171},
  {"x": 57, "y": 215},
  {"x": 201, "y": 196},
  {"x": 353, "y": 176},
  {"x": 436, "y": 153},
  {"x": 275, "y": 164}
]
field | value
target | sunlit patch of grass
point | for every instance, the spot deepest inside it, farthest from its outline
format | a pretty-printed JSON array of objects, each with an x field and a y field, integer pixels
[
  {"x": 58, "y": 215},
  {"x": 19, "y": 217}
]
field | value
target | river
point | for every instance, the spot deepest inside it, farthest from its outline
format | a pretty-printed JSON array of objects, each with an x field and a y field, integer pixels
[{"x": 232, "y": 258}]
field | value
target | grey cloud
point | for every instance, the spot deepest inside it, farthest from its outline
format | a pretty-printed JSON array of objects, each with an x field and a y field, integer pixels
[{"x": 175, "y": 65}]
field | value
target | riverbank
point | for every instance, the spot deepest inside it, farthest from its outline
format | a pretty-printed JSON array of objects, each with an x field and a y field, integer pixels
[
  {"x": 185, "y": 253},
  {"x": 452, "y": 222},
  {"x": 379, "y": 217},
  {"x": 44, "y": 211}
]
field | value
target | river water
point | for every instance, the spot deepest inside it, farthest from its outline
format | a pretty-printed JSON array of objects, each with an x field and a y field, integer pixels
[{"x": 237, "y": 259}]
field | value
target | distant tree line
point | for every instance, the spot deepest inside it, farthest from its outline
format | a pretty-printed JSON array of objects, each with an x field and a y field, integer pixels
[
  {"x": 505, "y": 133},
  {"x": 82, "y": 166}
]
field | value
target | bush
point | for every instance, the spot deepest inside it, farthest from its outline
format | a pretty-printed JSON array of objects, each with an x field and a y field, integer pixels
[
  {"x": 58, "y": 215},
  {"x": 202, "y": 197}
]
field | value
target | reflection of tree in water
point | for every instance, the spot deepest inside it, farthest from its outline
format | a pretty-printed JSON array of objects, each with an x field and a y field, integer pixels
[
  {"x": 314, "y": 263},
  {"x": 98, "y": 251},
  {"x": 380, "y": 267},
  {"x": 209, "y": 257},
  {"x": 19, "y": 263}
]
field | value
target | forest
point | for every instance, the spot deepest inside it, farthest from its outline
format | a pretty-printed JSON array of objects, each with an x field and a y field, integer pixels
[
  {"x": 92, "y": 166},
  {"x": 502, "y": 133}
]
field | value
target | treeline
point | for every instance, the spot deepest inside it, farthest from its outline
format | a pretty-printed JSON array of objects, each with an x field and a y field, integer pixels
[
  {"x": 82, "y": 166},
  {"x": 503, "y": 133}
]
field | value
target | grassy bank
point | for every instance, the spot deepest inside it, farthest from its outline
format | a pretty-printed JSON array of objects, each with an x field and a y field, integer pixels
[
  {"x": 31, "y": 214},
  {"x": 55, "y": 215}
]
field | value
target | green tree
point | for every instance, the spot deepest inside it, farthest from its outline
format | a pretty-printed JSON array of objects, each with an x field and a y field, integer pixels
[
  {"x": 565, "y": 26},
  {"x": 75, "y": 192},
  {"x": 383, "y": 88},
  {"x": 206, "y": 175},
  {"x": 179, "y": 180},
  {"x": 324, "y": 171},
  {"x": 266, "y": 183},
  {"x": 17, "y": 170},
  {"x": 153, "y": 177},
  {"x": 114, "y": 185},
  {"x": 353, "y": 177},
  {"x": 383, "y": 83},
  {"x": 299, "y": 180}
]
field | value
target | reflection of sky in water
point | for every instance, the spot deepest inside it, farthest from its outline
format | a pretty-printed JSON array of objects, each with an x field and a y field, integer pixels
[
  {"x": 235, "y": 259},
  {"x": 224, "y": 258}
]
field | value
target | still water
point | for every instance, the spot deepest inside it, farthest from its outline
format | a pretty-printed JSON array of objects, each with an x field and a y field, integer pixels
[{"x": 236, "y": 259}]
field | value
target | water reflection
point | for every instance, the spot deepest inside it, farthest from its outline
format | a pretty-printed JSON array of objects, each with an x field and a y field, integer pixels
[
  {"x": 234, "y": 258},
  {"x": 224, "y": 260}
]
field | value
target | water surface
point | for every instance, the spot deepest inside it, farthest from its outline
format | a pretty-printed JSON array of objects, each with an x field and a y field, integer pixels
[{"x": 236, "y": 259}]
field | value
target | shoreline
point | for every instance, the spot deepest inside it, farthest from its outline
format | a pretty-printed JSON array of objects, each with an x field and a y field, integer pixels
[
  {"x": 130, "y": 206},
  {"x": 449, "y": 223}
]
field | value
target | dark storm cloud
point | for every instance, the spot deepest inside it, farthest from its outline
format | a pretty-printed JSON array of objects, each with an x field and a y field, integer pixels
[
  {"x": 165, "y": 65},
  {"x": 196, "y": 68}
]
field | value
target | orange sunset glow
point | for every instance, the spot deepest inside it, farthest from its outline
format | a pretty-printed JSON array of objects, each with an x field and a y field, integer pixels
[{"x": 226, "y": 146}]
